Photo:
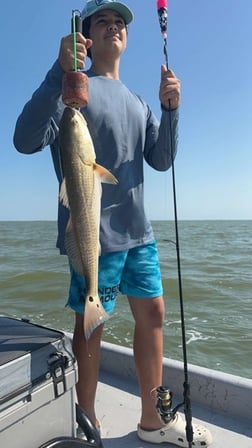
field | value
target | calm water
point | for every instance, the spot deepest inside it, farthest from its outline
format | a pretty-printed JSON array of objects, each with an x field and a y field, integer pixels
[{"x": 216, "y": 277}]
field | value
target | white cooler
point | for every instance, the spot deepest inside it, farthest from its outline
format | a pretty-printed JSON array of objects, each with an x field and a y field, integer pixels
[{"x": 38, "y": 373}]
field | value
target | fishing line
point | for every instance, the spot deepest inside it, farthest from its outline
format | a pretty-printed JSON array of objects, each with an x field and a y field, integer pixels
[{"x": 162, "y": 7}]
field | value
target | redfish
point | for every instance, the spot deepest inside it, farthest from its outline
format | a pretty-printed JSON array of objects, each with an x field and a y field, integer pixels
[{"x": 81, "y": 192}]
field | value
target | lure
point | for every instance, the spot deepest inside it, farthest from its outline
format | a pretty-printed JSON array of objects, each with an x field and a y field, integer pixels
[
  {"x": 163, "y": 16},
  {"x": 162, "y": 13}
]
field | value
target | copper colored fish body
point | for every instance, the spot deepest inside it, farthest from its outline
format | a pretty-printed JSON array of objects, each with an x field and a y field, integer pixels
[{"x": 81, "y": 193}]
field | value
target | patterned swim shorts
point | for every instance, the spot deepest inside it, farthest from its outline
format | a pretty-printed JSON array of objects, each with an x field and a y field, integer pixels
[{"x": 134, "y": 272}]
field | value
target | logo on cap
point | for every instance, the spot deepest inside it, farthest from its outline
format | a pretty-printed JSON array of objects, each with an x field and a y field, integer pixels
[{"x": 100, "y": 2}]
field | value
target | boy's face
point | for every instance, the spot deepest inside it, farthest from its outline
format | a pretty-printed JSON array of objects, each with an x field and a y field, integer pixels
[{"x": 108, "y": 33}]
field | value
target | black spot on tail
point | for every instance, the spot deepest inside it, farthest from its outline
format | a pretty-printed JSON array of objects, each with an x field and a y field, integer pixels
[{"x": 91, "y": 299}]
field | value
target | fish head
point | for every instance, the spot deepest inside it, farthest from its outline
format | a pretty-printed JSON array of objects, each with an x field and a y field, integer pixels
[
  {"x": 74, "y": 116},
  {"x": 74, "y": 135}
]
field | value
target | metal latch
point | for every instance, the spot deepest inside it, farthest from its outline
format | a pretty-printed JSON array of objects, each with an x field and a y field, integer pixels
[{"x": 57, "y": 364}]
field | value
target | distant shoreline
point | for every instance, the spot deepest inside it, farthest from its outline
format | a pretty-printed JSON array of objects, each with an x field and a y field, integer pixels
[{"x": 152, "y": 220}]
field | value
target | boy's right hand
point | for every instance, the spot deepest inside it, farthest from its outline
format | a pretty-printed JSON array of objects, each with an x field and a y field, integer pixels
[{"x": 66, "y": 52}]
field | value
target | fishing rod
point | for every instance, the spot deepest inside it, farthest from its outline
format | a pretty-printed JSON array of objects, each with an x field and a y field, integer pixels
[{"x": 162, "y": 9}]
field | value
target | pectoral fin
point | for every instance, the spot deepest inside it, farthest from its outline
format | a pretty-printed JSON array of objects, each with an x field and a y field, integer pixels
[{"x": 105, "y": 175}]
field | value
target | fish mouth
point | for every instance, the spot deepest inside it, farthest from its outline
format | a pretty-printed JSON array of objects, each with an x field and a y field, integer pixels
[
  {"x": 74, "y": 115},
  {"x": 70, "y": 111}
]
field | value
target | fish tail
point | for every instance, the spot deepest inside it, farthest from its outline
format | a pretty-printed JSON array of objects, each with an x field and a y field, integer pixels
[{"x": 94, "y": 315}]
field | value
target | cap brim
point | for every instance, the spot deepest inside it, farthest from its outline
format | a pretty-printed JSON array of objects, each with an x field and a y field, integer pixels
[{"x": 120, "y": 8}]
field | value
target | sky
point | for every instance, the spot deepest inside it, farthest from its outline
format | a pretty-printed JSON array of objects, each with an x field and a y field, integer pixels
[{"x": 209, "y": 48}]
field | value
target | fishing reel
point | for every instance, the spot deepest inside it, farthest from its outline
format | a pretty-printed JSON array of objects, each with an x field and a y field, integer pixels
[{"x": 164, "y": 404}]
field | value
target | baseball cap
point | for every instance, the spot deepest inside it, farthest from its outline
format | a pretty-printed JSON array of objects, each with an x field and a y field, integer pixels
[{"x": 93, "y": 6}]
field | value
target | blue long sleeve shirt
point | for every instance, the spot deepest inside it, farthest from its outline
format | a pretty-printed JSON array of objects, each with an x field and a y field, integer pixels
[{"x": 125, "y": 133}]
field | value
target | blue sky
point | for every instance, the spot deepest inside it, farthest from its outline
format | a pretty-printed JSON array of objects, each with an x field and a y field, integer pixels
[{"x": 209, "y": 47}]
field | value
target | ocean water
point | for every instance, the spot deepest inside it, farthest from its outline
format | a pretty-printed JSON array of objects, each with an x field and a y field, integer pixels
[{"x": 216, "y": 272}]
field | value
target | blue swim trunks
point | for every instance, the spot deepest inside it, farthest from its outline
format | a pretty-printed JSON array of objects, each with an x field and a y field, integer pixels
[{"x": 134, "y": 272}]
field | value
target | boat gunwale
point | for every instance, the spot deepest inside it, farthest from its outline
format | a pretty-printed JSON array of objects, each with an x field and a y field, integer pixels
[{"x": 218, "y": 391}]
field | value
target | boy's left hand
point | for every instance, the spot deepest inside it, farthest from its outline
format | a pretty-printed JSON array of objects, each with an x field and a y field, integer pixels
[{"x": 169, "y": 91}]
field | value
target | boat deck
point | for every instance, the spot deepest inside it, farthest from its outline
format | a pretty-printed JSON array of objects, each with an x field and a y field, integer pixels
[{"x": 220, "y": 401}]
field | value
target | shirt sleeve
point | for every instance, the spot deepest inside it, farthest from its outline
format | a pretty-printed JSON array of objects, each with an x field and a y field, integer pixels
[
  {"x": 161, "y": 139},
  {"x": 37, "y": 125}
]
